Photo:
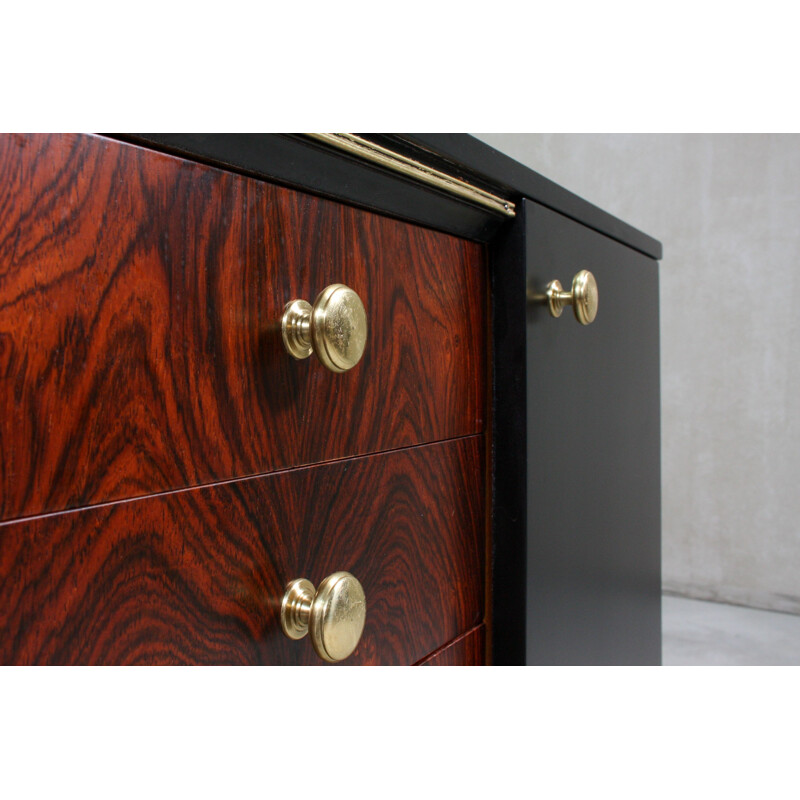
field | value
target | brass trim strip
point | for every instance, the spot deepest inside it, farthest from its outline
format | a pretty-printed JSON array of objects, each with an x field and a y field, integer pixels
[{"x": 414, "y": 169}]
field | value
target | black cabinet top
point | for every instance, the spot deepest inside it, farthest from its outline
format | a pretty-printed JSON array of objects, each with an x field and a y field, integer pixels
[{"x": 304, "y": 163}]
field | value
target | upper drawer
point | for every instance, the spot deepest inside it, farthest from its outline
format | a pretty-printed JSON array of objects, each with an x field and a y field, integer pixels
[{"x": 140, "y": 304}]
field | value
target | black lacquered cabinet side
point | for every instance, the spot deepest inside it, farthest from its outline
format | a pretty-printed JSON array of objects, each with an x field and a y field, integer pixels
[{"x": 593, "y": 557}]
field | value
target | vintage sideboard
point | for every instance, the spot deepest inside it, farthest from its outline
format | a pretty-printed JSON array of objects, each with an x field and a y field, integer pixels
[{"x": 309, "y": 399}]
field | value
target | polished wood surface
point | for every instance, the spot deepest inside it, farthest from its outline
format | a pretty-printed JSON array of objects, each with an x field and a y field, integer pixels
[
  {"x": 197, "y": 576},
  {"x": 469, "y": 650},
  {"x": 140, "y": 296}
]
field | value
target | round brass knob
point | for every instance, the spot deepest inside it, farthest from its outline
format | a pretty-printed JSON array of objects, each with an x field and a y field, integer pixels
[
  {"x": 333, "y": 614},
  {"x": 583, "y": 298},
  {"x": 334, "y": 328}
]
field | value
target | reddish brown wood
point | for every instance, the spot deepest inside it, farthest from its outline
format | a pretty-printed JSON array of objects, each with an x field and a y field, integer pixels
[
  {"x": 140, "y": 296},
  {"x": 197, "y": 576},
  {"x": 469, "y": 650}
]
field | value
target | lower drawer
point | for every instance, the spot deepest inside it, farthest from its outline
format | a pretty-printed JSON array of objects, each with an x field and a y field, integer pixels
[{"x": 197, "y": 576}]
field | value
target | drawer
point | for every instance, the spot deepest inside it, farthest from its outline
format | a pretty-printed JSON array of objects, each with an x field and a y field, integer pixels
[
  {"x": 140, "y": 347},
  {"x": 198, "y": 575}
]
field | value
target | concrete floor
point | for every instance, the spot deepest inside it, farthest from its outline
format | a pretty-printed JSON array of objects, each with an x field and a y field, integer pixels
[{"x": 700, "y": 633}]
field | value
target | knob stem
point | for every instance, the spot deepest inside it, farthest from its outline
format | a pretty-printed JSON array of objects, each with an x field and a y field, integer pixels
[
  {"x": 296, "y": 608},
  {"x": 557, "y": 298},
  {"x": 583, "y": 298}
]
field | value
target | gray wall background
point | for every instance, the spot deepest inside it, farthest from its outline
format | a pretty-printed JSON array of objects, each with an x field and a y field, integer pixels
[{"x": 727, "y": 209}]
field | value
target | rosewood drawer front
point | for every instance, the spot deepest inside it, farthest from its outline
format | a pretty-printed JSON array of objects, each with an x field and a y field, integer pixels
[
  {"x": 197, "y": 576},
  {"x": 140, "y": 347}
]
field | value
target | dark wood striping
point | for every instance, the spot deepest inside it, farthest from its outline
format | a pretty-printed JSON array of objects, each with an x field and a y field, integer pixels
[
  {"x": 468, "y": 650},
  {"x": 140, "y": 296},
  {"x": 197, "y": 576}
]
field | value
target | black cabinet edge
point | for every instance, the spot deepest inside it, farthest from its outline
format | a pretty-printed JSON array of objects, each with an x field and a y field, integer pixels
[
  {"x": 508, "y": 275},
  {"x": 476, "y": 160}
]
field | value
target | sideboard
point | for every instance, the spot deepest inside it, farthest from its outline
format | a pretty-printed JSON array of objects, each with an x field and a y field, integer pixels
[{"x": 320, "y": 399}]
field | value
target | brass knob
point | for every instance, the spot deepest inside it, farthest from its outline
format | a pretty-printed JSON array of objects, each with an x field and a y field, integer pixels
[
  {"x": 334, "y": 614},
  {"x": 583, "y": 297},
  {"x": 335, "y": 328}
]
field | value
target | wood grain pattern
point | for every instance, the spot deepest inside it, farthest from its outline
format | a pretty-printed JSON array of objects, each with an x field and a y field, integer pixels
[
  {"x": 197, "y": 576},
  {"x": 469, "y": 650},
  {"x": 140, "y": 296}
]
